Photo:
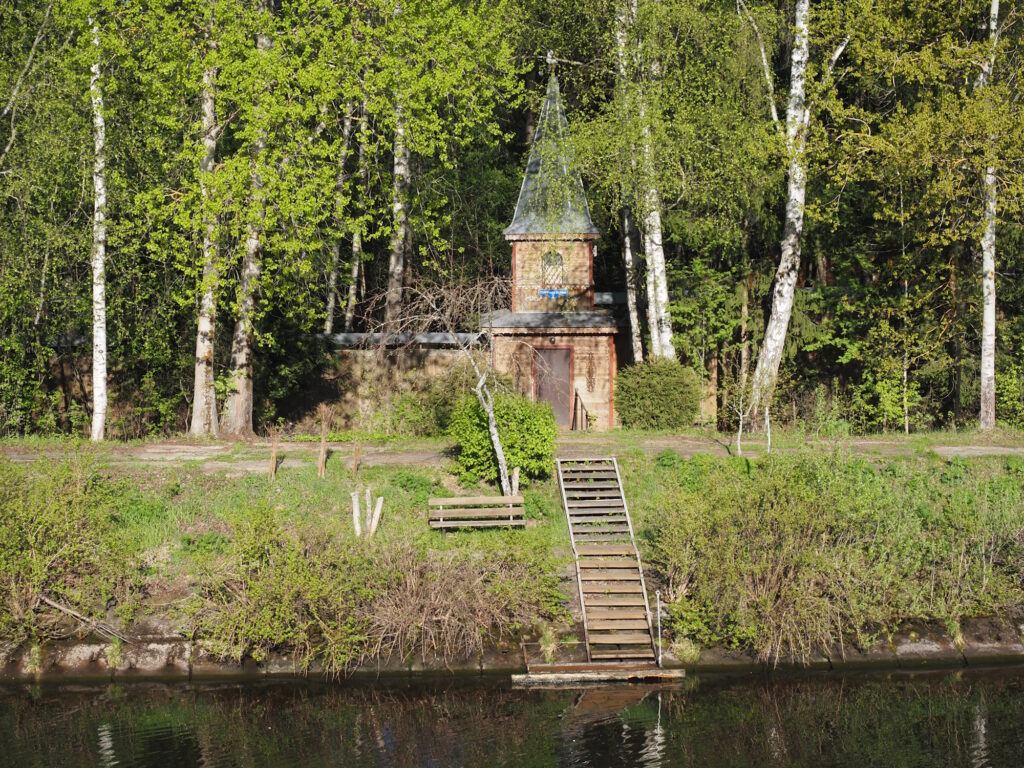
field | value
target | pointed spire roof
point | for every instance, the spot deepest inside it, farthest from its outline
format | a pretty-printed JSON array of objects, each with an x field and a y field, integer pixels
[{"x": 551, "y": 200}]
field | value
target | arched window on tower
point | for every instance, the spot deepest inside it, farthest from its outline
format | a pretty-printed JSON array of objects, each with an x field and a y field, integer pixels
[{"x": 552, "y": 272}]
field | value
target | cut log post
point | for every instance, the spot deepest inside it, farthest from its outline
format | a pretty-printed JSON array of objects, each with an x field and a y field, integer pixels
[
  {"x": 355, "y": 514},
  {"x": 273, "y": 453},
  {"x": 325, "y": 423},
  {"x": 376, "y": 515}
]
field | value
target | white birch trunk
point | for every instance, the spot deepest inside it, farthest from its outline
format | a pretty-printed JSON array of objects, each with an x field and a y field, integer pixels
[
  {"x": 659, "y": 320},
  {"x": 657, "y": 277},
  {"x": 99, "y": 247},
  {"x": 238, "y": 406},
  {"x": 400, "y": 224},
  {"x": 797, "y": 118},
  {"x": 339, "y": 188},
  {"x": 204, "y": 397},
  {"x": 653, "y": 326},
  {"x": 987, "y": 417},
  {"x": 357, "y": 265},
  {"x": 628, "y": 259}
]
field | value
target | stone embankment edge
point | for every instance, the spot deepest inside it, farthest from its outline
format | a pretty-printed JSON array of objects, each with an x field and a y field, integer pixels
[{"x": 982, "y": 643}]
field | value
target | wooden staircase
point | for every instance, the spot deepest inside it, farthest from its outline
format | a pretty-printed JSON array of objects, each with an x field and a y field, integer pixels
[{"x": 616, "y": 615}]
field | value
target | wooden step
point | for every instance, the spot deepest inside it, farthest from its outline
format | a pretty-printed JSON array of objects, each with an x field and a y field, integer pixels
[
  {"x": 630, "y": 612},
  {"x": 605, "y": 549},
  {"x": 585, "y": 485},
  {"x": 609, "y": 562},
  {"x": 612, "y": 588},
  {"x": 614, "y": 601},
  {"x": 581, "y": 522},
  {"x": 609, "y": 574},
  {"x": 620, "y": 624},
  {"x": 623, "y": 655},
  {"x": 620, "y": 638},
  {"x": 477, "y": 524},
  {"x": 590, "y": 530},
  {"x": 592, "y": 495},
  {"x": 595, "y": 504},
  {"x": 580, "y": 477}
]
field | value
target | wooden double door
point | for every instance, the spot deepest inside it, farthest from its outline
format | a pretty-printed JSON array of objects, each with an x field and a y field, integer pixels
[{"x": 552, "y": 380}]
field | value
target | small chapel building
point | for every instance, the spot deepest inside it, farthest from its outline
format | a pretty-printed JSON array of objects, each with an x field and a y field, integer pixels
[{"x": 553, "y": 342}]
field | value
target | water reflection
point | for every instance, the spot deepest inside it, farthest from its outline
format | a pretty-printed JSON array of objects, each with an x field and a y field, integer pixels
[{"x": 934, "y": 720}]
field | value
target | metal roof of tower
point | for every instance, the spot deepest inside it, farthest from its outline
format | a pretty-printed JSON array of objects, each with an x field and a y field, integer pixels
[{"x": 551, "y": 200}]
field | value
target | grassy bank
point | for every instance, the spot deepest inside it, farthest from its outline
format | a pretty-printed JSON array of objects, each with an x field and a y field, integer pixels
[
  {"x": 248, "y": 564},
  {"x": 783, "y": 555},
  {"x": 804, "y": 552}
]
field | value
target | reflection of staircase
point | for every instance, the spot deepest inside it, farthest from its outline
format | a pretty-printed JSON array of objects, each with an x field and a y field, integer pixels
[{"x": 616, "y": 616}]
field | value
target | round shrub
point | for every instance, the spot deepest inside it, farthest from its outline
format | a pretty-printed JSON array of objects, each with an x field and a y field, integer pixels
[
  {"x": 527, "y": 430},
  {"x": 661, "y": 394}
]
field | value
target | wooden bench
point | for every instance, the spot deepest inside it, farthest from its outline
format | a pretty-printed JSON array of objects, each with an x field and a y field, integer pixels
[{"x": 477, "y": 512}]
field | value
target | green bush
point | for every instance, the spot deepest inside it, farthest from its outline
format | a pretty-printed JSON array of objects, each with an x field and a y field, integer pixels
[
  {"x": 798, "y": 553},
  {"x": 661, "y": 394},
  {"x": 527, "y": 430},
  {"x": 59, "y": 542}
]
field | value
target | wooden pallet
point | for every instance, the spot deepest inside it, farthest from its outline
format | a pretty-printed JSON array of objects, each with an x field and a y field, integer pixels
[
  {"x": 616, "y": 614},
  {"x": 477, "y": 512}
]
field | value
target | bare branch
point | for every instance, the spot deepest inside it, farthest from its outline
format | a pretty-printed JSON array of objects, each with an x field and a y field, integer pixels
[
  {"x": 741, "y": 9},
  {"x": 834, "y": 58},
  {"x": 28, "y": 63}
]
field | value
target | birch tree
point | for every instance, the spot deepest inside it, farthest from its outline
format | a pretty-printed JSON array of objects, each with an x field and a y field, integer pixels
[
  {"x": 204, "y": 396},
  {"x": 987, "y": 418},
  {"x": 339, "y": 189},
  {"x": 99, "y": 242},
  {"x": 238, "y": 408},
  {"x": 401, "y": 182},
  {"x": 798, "y": 117}
]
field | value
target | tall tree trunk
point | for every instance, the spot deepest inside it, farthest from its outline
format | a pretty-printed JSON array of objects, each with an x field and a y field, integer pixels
[
  {"x": 987, "y": 418},
  {"x": 204, "y": 397},
  {"x": 238, "y": 407},
  {"x": 357, "y": 265},
  {"x": 630, "y": 262},
  {"x": 659, "y": 320},
  {"x": 657, "y": 279},
  {"x": 745, "y": 290},
  {"x": 400, "y": 224},
  {"x": 99, "y": 246},
  {"x": 797, "y": 117},
  {"x": 653, "y": 324},
  {"x": 339, "y": 188}
]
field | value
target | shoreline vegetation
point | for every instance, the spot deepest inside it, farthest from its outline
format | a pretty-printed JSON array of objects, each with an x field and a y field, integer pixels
[{"x": 808, "y": 557}]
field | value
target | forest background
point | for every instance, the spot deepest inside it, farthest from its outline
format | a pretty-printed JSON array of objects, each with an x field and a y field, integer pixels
[{"x": 816, "y": 206}]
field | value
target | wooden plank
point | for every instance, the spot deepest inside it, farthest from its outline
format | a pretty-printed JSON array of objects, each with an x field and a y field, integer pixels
[
  {"x": 609, "y": 562},
  {"x": 583, "y": 485},
  {"x": 576, "y": 477},
  {"x": 462, "y": 501},
  {"x": 598, "y": 625},
  {"x": 477, "y": 523},
  {"x": 623, "y": 612},
  {"x": 631, "y": 587},
  {"x": 472, "y": 514},
  {"x": 630, "y": 654},
  {"x": 621, "y": 638},
  {"x": 609, "y": 574},
  {"x": 604, "y": 516},
  {"x": 605, "y": 549},
  {"x": 616, "y": 601},
  {"x": 595, "y": 504},
  {"x": 592, "y": 529}
]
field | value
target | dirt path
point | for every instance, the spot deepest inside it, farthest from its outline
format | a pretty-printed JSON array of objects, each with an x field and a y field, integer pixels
[{"x": 237, "y": 459}]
